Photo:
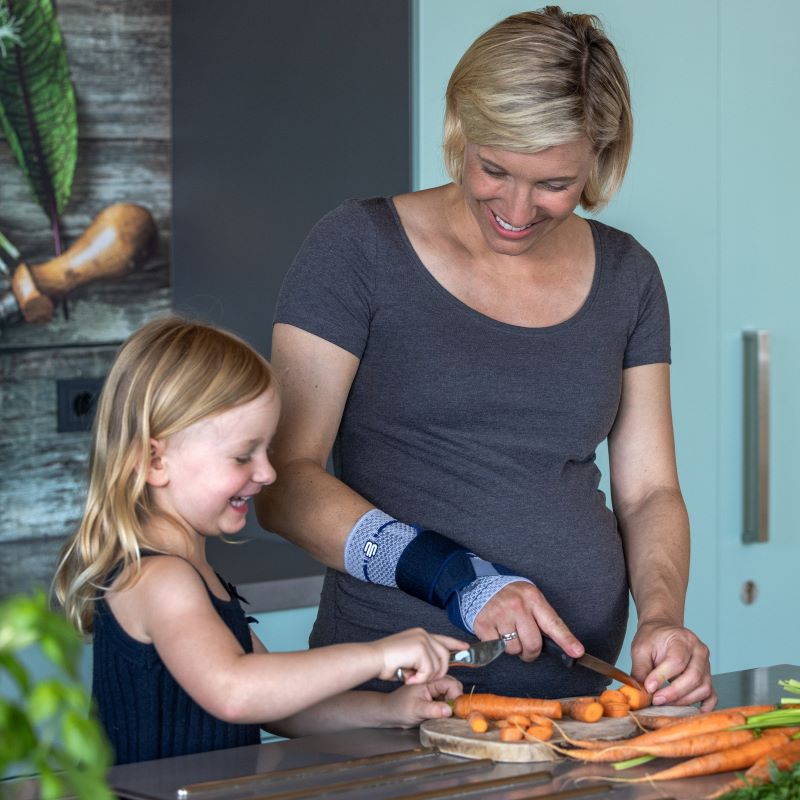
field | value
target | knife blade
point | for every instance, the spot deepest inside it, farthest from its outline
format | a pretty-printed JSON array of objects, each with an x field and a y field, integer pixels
[
  {"x": 479, "y": 654},
  {"x": 590, "y": 662}
]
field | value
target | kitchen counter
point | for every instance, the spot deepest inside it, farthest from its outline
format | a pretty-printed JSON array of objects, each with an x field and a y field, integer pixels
[{"x": 161, "y": 780}]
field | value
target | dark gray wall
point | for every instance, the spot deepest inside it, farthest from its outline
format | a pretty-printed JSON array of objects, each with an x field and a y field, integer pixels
[{"x": 280, "y": 111}]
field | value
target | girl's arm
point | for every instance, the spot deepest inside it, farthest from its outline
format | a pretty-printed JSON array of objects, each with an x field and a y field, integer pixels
[
  {"x": 173, "y": 611},
  {"x": 654, "y": 526}
]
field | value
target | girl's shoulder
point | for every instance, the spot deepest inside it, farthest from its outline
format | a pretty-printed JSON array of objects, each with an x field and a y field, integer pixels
[{"x": 163, "y": 585}]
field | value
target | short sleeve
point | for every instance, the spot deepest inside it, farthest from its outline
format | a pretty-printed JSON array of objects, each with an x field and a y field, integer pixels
[
  {"x": 649, "y": 340},
  {"x": 329, "y": 287}
]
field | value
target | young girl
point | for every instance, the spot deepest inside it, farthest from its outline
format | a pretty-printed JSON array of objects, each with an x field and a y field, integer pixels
[{"x": 180, "y": 446}]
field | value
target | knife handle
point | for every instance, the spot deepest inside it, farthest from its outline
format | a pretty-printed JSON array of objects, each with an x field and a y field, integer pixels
[{"x": 552, "y": 649}]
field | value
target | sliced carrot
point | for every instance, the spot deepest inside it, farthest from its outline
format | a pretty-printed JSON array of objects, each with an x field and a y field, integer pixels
[
  {"x": 477, "y": 722},
  {"x": 512, "y": 734},
  {"x": 495, "y": 706},
  {"x": 636, "y": 699},
  {"x": 586, "y": 712},
  {"x": 519, "y": 719},
  {"x": 612, "y": 696},
  {"x": 616, "y": 709},
  {"x": 540, "y": 732}
]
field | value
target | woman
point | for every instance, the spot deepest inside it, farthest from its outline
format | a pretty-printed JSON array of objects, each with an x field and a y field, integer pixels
[{"x": 465, "y": 349}]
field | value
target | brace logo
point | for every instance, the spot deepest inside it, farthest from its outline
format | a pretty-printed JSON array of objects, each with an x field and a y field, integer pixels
[{"x": 370, "y": 548}]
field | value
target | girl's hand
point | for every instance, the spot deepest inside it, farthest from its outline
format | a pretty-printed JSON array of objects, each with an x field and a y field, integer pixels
[
  {"x": 421, "y": 655},
  {"x": 407, "y": 706}
]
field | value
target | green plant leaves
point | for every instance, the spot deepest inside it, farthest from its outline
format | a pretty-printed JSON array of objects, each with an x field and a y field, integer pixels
[
  {"x": 38, "y": 114},
  {"x": 49, "y": 725}
]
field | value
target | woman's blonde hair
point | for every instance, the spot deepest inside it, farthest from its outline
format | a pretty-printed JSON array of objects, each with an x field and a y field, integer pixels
[
  {"x": 540, "y": 79},
  {"x": 169, "y": 374}
]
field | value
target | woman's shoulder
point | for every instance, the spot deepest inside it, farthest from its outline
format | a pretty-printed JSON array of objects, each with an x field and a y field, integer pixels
[{"x": 618, "y": 244}]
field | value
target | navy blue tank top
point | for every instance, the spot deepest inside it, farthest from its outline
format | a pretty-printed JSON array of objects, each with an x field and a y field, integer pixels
[{"x": 144, "y": 711}]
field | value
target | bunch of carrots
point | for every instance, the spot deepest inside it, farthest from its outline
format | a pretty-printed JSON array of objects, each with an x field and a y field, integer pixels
[{"x": 758, "y": 739}]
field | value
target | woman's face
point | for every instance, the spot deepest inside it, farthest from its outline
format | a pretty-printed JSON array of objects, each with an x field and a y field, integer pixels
[{"x": 517, "y": 199}]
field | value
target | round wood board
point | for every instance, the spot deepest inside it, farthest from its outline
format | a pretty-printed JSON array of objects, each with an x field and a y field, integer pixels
[{"x": 453, "y": 736}]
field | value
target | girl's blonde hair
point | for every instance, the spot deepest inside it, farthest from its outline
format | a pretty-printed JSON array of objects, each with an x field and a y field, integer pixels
[
  {"x": 168, "y": 375},
  {"x": 540, "y": 79}
]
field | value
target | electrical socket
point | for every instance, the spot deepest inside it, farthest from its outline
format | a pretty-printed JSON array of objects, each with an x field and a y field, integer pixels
[{"x": 76, "y": 403}]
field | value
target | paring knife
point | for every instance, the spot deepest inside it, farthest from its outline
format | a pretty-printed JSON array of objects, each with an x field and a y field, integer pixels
[
  {"x": 590, "y": 662},
  {"x": 479, "y": 654}
]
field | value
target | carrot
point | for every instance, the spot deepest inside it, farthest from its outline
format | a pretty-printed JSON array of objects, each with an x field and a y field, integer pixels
[
  {"x": 729, "y": 760},
  {"x": 495, "y": 706},
  {"x": 612, "y": 696},
  {"x": 784, "y": 757},
  {"x": 477, "y": 722},
  {"x": 519, "y": 719},
  {"x": 512, "y": 734},
  {"x": 685, "y": 726},
  {"x": 636, "y": 698},
  {"x": 539, "y": 732},
  {"x": 656, "y": 721},
  {"x": 616, "y": 709},
  {"x": 583, "y": 711},
  {"x": 687, "y": 747}
]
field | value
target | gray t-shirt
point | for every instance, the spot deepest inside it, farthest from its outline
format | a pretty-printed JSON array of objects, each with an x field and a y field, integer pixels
[{"x": 483, "y": 431}]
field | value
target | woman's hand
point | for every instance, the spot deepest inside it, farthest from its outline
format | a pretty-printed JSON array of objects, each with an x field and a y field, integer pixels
[
  {"x": 422, "y": 656},
  {"x": 520, "y": 607},
  {"x": 662, "y": 653},
  {"x": 409, "y": 705}
]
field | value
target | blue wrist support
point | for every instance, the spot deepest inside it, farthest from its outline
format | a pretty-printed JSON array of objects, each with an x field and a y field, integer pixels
[{"x": 436, "y": 570}]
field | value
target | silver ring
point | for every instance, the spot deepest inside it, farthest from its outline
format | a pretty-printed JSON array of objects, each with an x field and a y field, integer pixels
[
  {"x": 399, "y": 675},
  {"x": 509, "y": 637}
]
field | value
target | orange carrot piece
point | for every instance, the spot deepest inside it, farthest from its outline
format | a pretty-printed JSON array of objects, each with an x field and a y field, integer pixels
[
  {"x": 501, "y": 723},
  {"x": 512, "y": 734},
  {"x": 539, "y": 732},
  {"x": 519, "y": 719},
  {"x": 636, "y": 699},
  {"x": 477, "y": 722},
  {"x": 612, "y": 696},
  {"x": 585, "y": 712},
  {"x": 616, "y": 709},
  {"x": 495, "y": 706}
]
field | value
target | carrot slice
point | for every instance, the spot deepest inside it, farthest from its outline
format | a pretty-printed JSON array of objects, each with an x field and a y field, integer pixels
[
  {"x": 616, "y": 709},
  {"x": 477, "y": 722}
]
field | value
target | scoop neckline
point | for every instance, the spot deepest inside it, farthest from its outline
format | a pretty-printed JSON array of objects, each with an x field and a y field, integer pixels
[{"x": 524, "y": 330}]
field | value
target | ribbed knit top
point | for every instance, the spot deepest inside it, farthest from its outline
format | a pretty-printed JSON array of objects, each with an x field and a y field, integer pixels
[{"x": 144, "y": 711}]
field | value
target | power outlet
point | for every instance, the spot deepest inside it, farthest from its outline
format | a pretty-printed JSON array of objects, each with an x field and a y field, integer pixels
[{"x": 77, "y": 402}]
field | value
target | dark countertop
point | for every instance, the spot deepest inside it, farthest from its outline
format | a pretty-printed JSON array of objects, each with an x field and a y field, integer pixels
[{"x": 161, "y": 780}]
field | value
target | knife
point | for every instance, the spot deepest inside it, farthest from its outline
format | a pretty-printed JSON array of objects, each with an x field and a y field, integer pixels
[
  {"x": 479, "y": 654},
  {"x": 590, "y": 662}
]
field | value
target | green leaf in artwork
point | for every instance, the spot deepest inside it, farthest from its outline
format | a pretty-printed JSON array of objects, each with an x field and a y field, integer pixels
[{"x": 38, "y": 113}]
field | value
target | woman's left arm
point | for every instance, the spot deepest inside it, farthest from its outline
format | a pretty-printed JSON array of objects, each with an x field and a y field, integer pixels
[{"x": 654, "y": 527}]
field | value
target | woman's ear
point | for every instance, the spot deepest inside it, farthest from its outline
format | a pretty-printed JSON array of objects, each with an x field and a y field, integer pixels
[{"x": 156, "y": 465}]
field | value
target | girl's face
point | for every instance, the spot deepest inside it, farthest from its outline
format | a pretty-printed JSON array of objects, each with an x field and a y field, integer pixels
[
  {"x": 206, "y": 474},
  {"x": 517, "y": 199}
]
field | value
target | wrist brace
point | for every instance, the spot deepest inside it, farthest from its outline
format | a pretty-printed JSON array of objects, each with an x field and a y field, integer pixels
[{"x": 425, "y": 564}]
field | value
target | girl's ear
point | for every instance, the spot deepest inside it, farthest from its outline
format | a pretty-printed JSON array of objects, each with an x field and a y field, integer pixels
[{"x": 156, "y": 465}]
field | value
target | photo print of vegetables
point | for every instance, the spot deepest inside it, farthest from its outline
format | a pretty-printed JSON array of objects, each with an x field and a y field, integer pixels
[
  {"x": 38, "y": 115},
  {"x": 85, "y": 235}
]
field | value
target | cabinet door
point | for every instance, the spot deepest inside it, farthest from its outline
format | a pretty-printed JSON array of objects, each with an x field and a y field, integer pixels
[{"x": 759, "y": 206}]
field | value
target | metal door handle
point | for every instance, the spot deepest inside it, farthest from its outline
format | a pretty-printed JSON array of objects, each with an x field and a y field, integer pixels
[{"x": 756, "y": 436}]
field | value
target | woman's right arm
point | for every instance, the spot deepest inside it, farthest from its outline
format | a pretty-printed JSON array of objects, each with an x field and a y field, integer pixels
[{"x": 306, "y": 504}]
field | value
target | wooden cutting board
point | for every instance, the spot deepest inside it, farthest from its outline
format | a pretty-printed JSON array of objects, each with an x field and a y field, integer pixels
[{"x": 453, "y": 736}]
